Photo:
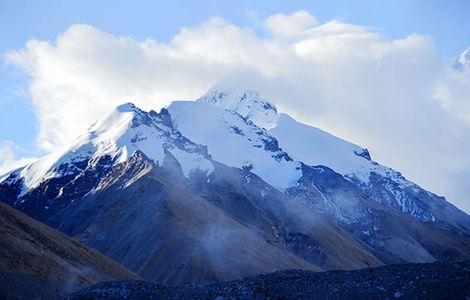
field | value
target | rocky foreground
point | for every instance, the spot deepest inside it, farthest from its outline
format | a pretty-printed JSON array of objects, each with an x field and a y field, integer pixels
[{"x": 440, "y": 280}]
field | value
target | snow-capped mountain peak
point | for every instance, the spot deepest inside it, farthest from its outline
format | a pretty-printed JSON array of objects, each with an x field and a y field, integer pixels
[
  {"x": 235, "y": 127},
  {"x": 301, "y": 143},
  {"x": 463, "y": 60},
  {"x": 247, "y": 103},
  {"x": 122, "y": 132}
]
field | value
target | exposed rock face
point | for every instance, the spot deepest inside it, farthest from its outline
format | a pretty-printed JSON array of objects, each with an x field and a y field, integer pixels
[
  {"x": 37, "y": 261},
  {"x": 416, "y": 281}
]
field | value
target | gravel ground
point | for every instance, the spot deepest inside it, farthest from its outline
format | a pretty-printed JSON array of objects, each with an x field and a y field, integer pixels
[{"x": 440, "y": 280}]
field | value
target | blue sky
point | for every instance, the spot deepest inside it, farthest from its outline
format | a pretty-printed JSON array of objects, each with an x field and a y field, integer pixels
[{"x": 384, "y": 102}]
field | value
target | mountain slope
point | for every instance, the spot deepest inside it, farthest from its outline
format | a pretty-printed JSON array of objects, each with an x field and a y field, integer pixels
[
  {"x": 37, "y": 261},
  {"x": 226, "y": 187},
  {"x": 165, "y": 232}
]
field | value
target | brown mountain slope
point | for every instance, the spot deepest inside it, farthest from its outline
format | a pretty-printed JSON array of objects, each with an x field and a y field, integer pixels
[{"x": 38, "y": 261}]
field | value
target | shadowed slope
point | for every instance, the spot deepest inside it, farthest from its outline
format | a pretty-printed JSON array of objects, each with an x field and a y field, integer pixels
[
  {"x": 36, "y": 260},
  {"x": 166, "y": 233}
]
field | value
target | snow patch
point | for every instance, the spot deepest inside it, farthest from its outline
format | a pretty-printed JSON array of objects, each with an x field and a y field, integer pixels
[
  {"x": 248, "y": 104},
  {"x": 192, "y": 161}
]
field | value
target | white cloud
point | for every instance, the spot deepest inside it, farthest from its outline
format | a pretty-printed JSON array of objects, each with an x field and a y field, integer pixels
[
  {"x": 8, "y": 159},
  {"x": 454, "y": 90},
  {"x": 282, "y": 25},
  {"x": 393, "y": 96}
]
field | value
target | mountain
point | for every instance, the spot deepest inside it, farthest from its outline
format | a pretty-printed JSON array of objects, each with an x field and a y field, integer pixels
[
  {"x": 37, "y": 261},
  {"x": 416, "y": 281},
  {"x": 462, "y": 61},
  {"x": 310, "y": 146},
  {"x": 225, "y": 187}
]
